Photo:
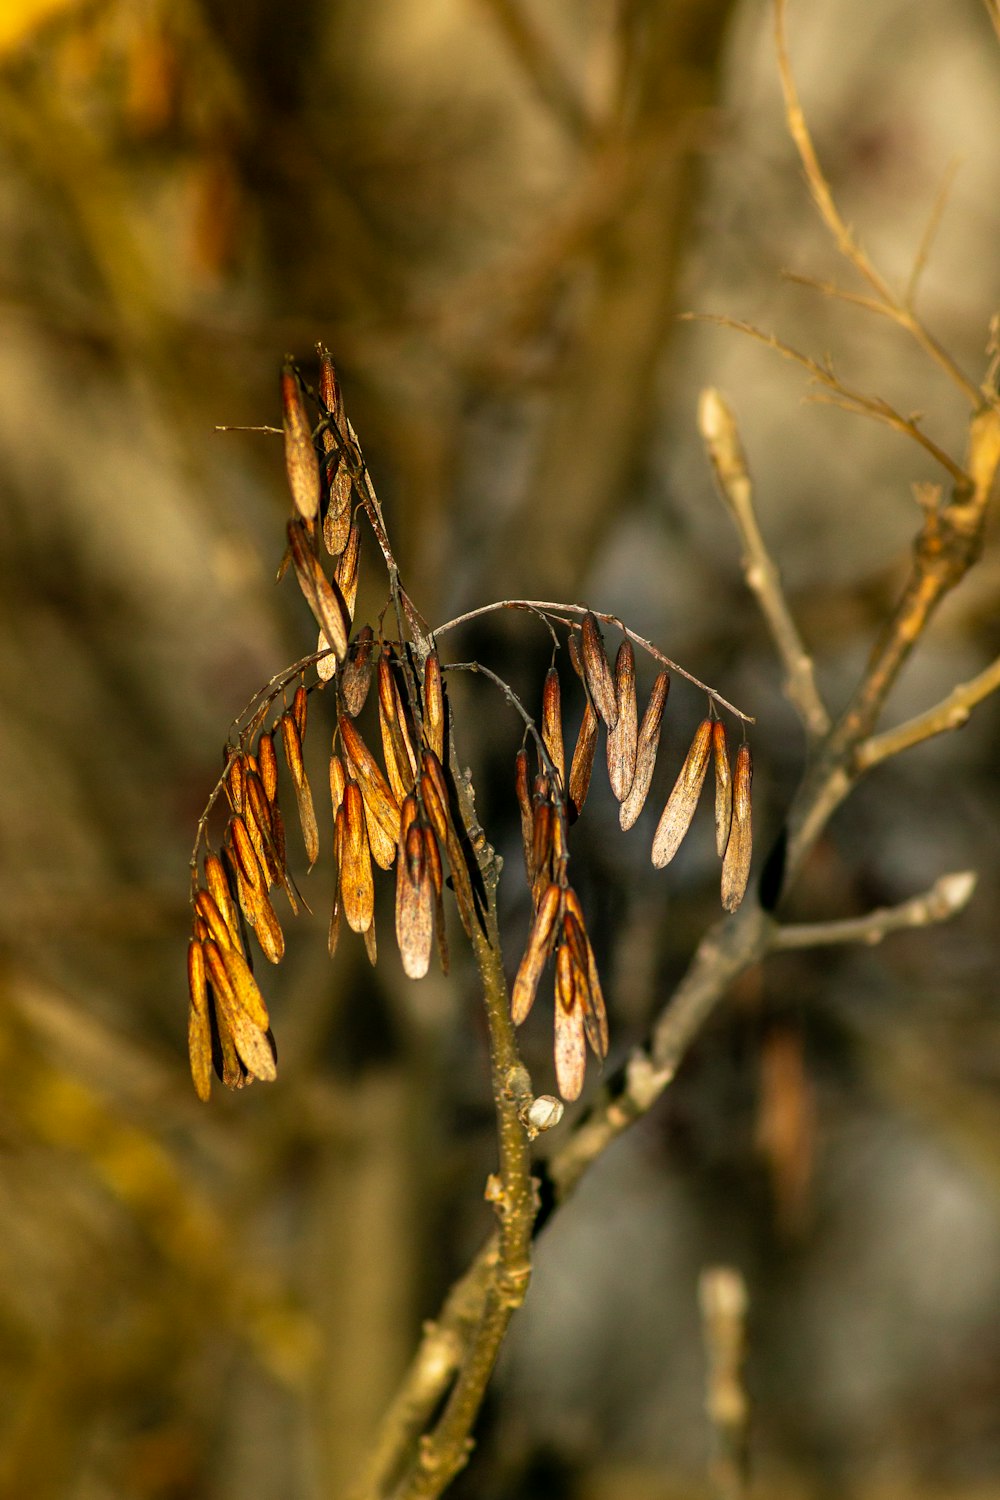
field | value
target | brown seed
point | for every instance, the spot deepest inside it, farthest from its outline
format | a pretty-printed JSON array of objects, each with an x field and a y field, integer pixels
[
  {"x": 723, "y": 787},
  {"x": 397, "y": 742},
  {"x": 257, "y": 816},
  {"x": 218, "y": 885},
  {"x": 371, "y": 944},
  {"x": 536, "y": 953},
  {"x": 337, "y": 521},
  {"x": 552, "y": 731},
  {"x": 252, "y": 888},
  {"x": 437, "y": 805},
  {"x": 645, "y": 756},
  {"x": 325, "y": 599},
  {"x": 234, "y": 781},
  {"x": 196, "y": 977},
  {"x": 245, "y": 988},
  {"x": 329, "y": 392},
  {"x": 249, "y": 1039},
  {"x": 596, "y": 672},
  {"x": 338, "y": 780},
  {"x": 583, "y": 760},
  {"x": 300, "y": 454},
  {"x": 356, "y": 677},
  {"x": 200, "y": 1052},
  {"x": 527, "y": 815},
  {"x": 736, "y": 864},
  {"x": 675, "y": 819},
  {"x": 434, "y": 712},
  {"x": 622, "y": 739},
  {"x": 432, "y": 854},
  {"x": 543, "y": 834},
  {"x": 267, "y": 763},
  {"x": 206, "y": 907},
  {"x": 574, "y": 655},
  {"x": 570, "y": 1045},
  {"x": 380, "y": 803},
  {"x": 414, "y": 905},
  {"x": 356, "y": 882},
  {"x": 300, "y": 709},
  {"x": 596, "y": 1016},
  {"x": 292, "y": 746},
  {"x": 345, "y": 573}
]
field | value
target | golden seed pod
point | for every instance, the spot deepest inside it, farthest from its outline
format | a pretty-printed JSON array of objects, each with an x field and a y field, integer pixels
[
  {"x": 380, "y": 804},
  {"x": 355, "y": 680},
  {"x": 338, "y": 780},
  {"x": 527, "y": 816},
  {"x": 434, "y": 710},
  {"x": 570, "y": 1033},
  {"x": 251, "y": 885},
  {"x": 596, "y": 672},
  {"x": 552, "y": 730},
  {"x": 329, "y": 391},
  {"x": 574, "y": 655},
  {"x": 234, "y": 782},
  {"x": 252, "y": 1045},
  {"x": 645, "y": 756},
  {"x": 723, "y": 787},
  {"x": 300, "y": 709},
  {"x": 337, "y": 521},
  {"x": 595, "y": 1015},
  {"x": 196, "y": 977},
  {"x": 539, "y": 945},
  {"x": 325, "y": 599},
  {"x": 206, "y": 908},
  {"x": 414, "y": 905},
  {"x": 300, "y": 454},
  {"x": 371, "y": 945},
  {"x": 432, "y": 853},
  {"x": 218, "y": 885},
  {"x": 259, "y": 822},
  {"x": 675, "y": 819},
  {"x": 437, "y": 806},
  {"x": 245, "y": 988},
  {"x": 345, "y": 573},
  {"x": 397, "y": 746},
  {"x": 622, "y": 739},
  {"x": 267, "y": 764},
  {"x": 292, "y": 746},
  {"x": 357, "y": 885},
  {"x": 736, "y": 863},
  {"x": 200, "y": 1052},
  {"x": 583, "y": 760},
  {"x": 545, "y": 820}
]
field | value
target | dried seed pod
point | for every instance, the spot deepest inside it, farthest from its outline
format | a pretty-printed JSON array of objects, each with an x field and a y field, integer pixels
[
  {"x": 552, "y": 731},
  {"x": 437, "y": 805},
  {"x": 234, "y": 781},
  {"x": 414, "y": 905},
  {"x": 292, "y": 746},
  {"x": 596, "y": 672},
  {"x": 723, "y": 787},
  {"x": 380, "y": 804},
  {"x": 258, "y": 819},
  {"x": 432, "y": 854},
  {"x": 251, "y": 886},
  {"x": 570, "y": 1044},
  {"x": 574, "y": 655},
  {"x": 245, "y": 988},
  {"x": 736, "y": 864},
  {"x": 337, "y": 521},
  {"x": 539, "y": 945},
  {"x": 300, "y": 709},
  {"x": 356, "y": 677},
  {"x": 675, "y": 819},
  {"x": 357, "y": 886},
  {"x": 206, "y": 908},
  {"x": 330, "y": 394},
  {"x": 200, "y": 1052},
  {"x": 301, "y": 461},
  {"x": 645, "y": 756},
  {"x": 397, "y": 743},
  {"x": 622, "y": 739},
  {"x": 596, "y": 1016},
  {"x": 218, "y": 885},
  {"x": 583, "y": 760},
  {"x": 324, "y": 598},
  {"x": 544, "y": 825},
  {"x": 371, "y": 945},
  {"x": 338, "y": 780},
  {"x": 267, "y": 764},
  {"x": 346, "y": 571},
  {"x": 250, "y": 1040},
  {"x": 434, "y": 712},
  {"x": 196, "y": 977},
  {"x": 527, "y": 815}
]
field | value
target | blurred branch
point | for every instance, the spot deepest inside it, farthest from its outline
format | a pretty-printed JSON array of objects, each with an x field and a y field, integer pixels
[
  {"x": 947, "y": 896},
  {"x": 951, "y": 713},
  {"x": 722, "y": 1294},
  {"x": 722, "y": 441}
]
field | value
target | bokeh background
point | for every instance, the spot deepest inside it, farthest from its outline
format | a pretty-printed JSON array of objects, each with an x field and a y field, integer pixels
[{"x": 492, "y": 212}]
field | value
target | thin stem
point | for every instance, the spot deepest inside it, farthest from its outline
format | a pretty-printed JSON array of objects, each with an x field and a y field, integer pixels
[
  {"x": 951, "y": 713},
  {"x": 560, "y": 611},
  {"x": 946, "y": 897}
]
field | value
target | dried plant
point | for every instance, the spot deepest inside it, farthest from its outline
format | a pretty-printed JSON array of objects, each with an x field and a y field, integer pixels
[{"x": 411, "y": 809}]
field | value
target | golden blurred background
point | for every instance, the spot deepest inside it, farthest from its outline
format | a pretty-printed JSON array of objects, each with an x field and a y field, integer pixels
[{"x": 492, "y": 212}]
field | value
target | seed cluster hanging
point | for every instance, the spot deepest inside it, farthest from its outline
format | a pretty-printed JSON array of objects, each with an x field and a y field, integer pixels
[{"x": 401, "y": 811}]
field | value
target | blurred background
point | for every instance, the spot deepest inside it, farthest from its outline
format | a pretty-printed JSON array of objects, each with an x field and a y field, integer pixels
[{"x": 491, "y": 211}]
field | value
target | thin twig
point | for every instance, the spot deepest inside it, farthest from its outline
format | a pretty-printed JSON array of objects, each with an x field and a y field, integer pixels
[
  {"x": 725, "y": 451},
  {"x": 946, "y": 897},
  {"x": 930, "y": 230},
  {"x": 951, "y": 713},
  {"x": 560, "y": 611}
]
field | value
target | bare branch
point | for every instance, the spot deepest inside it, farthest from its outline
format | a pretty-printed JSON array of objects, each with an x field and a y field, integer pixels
[
  {"x": 725, "y": 451},
  {"x": 947, "y": 896},
  {"x": 951, "y": 713}
]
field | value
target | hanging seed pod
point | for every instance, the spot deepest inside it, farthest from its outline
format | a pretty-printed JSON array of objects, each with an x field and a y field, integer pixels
[
  {"x": 356, "y": 677},
  {"x": 675, "y": 819},
  {"x": 432, "y": 854},
  {"x": 645, "y": 756},
  {"x": 723, "y": 787},
  {"x": 333, "y": 934},
  {"x": 330, "y": 395},
  {"x": 196, "y": 977},
  {"x": 292, "y": 746},
  {"x": 218, "y": 885},
  {"x": 325, "y": 599},
  {"x": 300, "y": 709},
  {"x": 338, "y": 780},
  {"x": 527, "y": 815},
  {"x": 522, "y": 996},
  {"x": 622, "y": 739},
  {"x": 596, "y": 1016},
  {"x": 251, "y": 886},
  {"x": 300, "y": 454},
  {"x": 345, "y": 574},
  {"x": 552, "y": 731},
  {"x": 596, "y": 672},
  {"x": 570, "y": 1044},
  {"x": 200, "y": 1052},
  {"x": 267, "y": 765},
  {"x": 205, "y": 906},
  {"x": 574, "y": 655},
  {"x": 414, "y": 905},
  {"x": 736, "y": 863},
  {"x": 251, "y": 1043},
  {"x": 337, "y": 521},
  {"x": 437, "y": 806},
  {"x": 434, "y": 712},
  {"x": 371, "y": 945},
  {"x": 400, "y": 759},
  {"x": 380, "y": 804},
  {"x": 356, "y": 882},
  {"x": 583, "y": 760},
  {"x": 542, "y": 847},
  {"x": 245, "y": 988},
  {"x": 234, "y": 782}
]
